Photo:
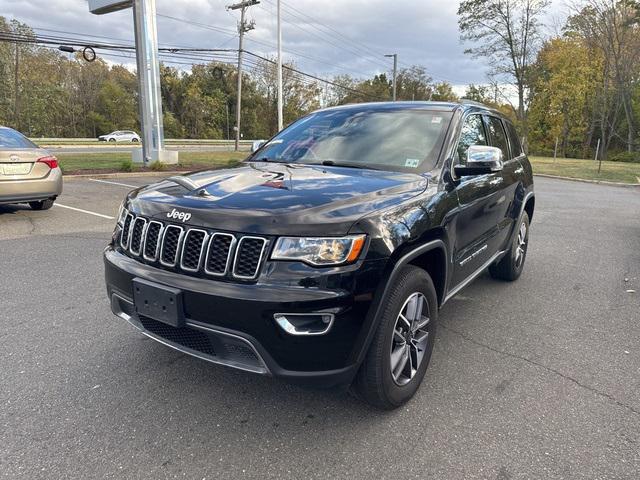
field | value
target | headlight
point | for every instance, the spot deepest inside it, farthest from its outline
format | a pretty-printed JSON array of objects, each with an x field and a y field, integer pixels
[
  {"x": 319, "y": 251},
  {"x": 122, "y": 213}
]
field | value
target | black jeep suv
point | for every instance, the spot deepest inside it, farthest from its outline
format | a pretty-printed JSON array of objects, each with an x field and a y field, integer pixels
[{"x": 325, "y": 256}]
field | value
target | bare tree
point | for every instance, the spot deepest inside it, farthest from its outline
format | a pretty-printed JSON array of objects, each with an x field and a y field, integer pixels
[{"x": 508, "y": 34}]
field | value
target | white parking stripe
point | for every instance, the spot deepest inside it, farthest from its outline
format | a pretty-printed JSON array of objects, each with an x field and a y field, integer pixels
[
  {"x": 85, "y": 211},
  {"x": 114, "y": 183}
]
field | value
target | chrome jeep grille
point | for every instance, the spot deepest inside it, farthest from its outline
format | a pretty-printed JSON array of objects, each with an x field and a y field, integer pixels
[
  {"x": 171, "y": 245},
  {"x": 152, "y": 241},
  {"x": 218, "y": 254},
  {"x": 136, "y": 235},
  {"x": 192, "y": 250},
  {"x": 248, "y": 257}
]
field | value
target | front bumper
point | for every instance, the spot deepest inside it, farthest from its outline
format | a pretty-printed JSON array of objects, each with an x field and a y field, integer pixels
[
  {"x": 24, "y": 190},
  {"x": 233, "y": 323}
]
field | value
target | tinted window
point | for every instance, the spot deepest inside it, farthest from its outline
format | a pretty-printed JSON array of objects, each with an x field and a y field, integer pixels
[
  {"x": 12, "y": 139},
  {"x": 398, "y": 139},
  {"x": 472, "y": 134},
  {"x": 498, "y": 136},
  {"x": 516, "y": 146}
]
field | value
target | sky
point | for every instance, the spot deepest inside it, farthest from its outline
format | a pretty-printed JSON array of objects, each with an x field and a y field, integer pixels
[{"x": 326, "y": 37}]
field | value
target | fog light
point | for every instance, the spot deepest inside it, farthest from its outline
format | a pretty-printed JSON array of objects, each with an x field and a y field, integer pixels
[{"x": 305, "y": 324}]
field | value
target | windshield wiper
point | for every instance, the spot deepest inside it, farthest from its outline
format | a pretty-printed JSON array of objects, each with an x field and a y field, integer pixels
[
  {"x": 331, "y": 163},
  {"x": 267, "y": 160}
]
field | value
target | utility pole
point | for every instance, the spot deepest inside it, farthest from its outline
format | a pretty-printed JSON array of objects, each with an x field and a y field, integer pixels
[
  {"x": 280, "y": 99},
  {"x": 243, "y": 27},
  {"x": 395, "y": 75},
  {"x": 16, "y": 104}
]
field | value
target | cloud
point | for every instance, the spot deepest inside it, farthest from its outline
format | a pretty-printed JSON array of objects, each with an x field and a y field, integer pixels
[{"x": 326, "y": 38}]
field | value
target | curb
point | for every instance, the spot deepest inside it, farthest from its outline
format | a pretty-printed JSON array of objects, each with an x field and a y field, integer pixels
[{"x": 583, "y": 180}]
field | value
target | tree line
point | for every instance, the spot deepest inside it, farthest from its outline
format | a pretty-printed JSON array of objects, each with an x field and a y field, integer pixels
[
  {"x": 577, "y": 88},
  {"x": 46, "y": 93}
]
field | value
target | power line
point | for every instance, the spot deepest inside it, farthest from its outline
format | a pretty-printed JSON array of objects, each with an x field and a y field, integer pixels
[
  {"x": 331, "y": 33},
  {"x": 334, "y": 32},
  {"x": 339, "y": 46},
  {"x": 197, "y": 54},
  {"x": 329, "y": 82}
]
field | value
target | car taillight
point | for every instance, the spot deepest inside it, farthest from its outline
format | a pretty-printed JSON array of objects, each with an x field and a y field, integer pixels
[{"x": 51, "y": 162}]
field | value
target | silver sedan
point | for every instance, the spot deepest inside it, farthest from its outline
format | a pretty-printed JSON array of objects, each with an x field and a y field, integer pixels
[{"x": 28, "y": 173}]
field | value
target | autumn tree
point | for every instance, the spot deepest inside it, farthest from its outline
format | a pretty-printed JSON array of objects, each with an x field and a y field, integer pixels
[
  {"x": 567, "y": 73},
  {"x": 613, "y": 28},
  {"x": 507, "y": 34}
]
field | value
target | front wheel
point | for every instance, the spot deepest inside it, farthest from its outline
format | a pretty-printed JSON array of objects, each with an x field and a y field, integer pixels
[
  {"x": 510, "y": 266},
  {"x": 400, "y": 351}
]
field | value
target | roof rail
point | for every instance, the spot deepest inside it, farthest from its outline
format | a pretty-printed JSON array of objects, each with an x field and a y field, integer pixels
[{"x": 467, "y": 101}]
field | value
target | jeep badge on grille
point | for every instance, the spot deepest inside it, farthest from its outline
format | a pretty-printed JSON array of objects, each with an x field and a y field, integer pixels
[{"x": 176, "y": 215}]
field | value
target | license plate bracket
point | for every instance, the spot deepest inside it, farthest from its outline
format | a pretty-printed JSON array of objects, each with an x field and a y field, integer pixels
[
  {"x": 15, "y": 168},
  {"x": 158, "y": 302}
]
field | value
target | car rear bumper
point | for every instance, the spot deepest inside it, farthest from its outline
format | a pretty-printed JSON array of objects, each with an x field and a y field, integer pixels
[
  {"x": 233, "y": 324},
  {"x": 25, "y": 190}
]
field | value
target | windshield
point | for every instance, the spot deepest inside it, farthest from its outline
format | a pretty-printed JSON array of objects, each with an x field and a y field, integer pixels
[
  {"x": 400, "y": 140},
  {"x": 11, "y": 139}
]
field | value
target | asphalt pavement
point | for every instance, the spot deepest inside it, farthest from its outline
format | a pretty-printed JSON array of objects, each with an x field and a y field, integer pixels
[{"x": 537, "y": 379}]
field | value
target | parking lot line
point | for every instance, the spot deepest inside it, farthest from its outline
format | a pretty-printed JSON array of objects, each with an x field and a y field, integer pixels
[
  {"x": 114, "y": 183},
  {"x": 85, "y": 211}
]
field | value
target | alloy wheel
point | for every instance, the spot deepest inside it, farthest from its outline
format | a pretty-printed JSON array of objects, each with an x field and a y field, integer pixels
[
  {"x": 410, "y": 338},
  {"x": 521, "y": 246}
]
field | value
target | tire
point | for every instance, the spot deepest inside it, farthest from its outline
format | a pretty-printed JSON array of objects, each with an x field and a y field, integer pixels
[
  {"x": 134, "y": 140},
  {"x": 510, "y": 267},
  {"x": 42, "y": 205},
  {"x": 112, "y": 140},
  {"x": 378, "y": 382}
]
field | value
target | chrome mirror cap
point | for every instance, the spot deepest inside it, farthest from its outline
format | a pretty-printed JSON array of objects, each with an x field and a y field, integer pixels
[{"x": 483, "y": 157}]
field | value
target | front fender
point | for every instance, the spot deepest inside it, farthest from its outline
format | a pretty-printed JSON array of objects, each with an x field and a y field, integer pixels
[{"x": 373, "y": 317}]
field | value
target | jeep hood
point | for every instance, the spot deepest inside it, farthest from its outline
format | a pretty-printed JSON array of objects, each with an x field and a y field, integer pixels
[{"x": 277, "y": 199}]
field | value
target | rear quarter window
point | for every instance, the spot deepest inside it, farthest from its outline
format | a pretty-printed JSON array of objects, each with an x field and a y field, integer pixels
[
  {"x": 498, "y": 135},
  {"x": 514, "y": 141}
]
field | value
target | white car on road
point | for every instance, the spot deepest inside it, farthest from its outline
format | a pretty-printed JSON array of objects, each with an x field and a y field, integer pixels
[{"x": 121, "y": 136}]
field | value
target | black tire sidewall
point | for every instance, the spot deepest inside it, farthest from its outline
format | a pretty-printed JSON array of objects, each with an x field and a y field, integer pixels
[
  {"x": 42, "y": 205},
  {"x": 516, "y": 270},
  {"x": 413, "y": 279}
]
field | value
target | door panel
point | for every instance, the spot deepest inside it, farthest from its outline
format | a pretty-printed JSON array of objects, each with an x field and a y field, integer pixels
[{"x": 483, "y": 223}]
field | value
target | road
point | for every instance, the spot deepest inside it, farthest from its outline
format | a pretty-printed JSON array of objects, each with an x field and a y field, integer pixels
[{"x": 539, "y": 379}]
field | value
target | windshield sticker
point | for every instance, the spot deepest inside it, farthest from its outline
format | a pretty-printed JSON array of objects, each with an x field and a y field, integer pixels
[
  {"x": 436, "y": 120},
  {"x": 412, "y": 163}
]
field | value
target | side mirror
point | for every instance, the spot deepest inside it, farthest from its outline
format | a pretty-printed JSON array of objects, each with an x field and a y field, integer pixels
[
  {"x": 481, "y": 160},
  {"x": 255, "y": 146}
]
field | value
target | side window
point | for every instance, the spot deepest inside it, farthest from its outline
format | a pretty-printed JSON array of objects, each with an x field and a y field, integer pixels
[
  {"x": 472, "y": 134},
  {"x": 514, "y": 141},
  {"x": 498, "y": 136}
]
